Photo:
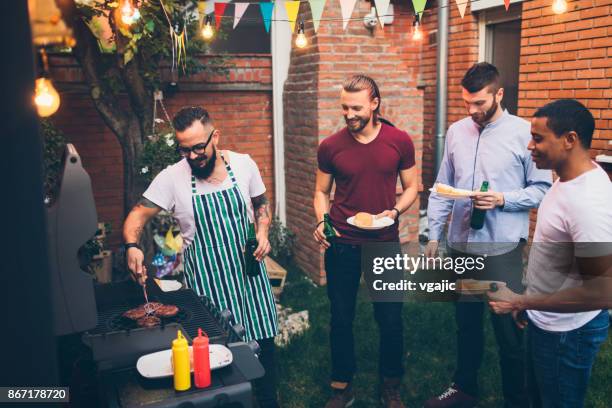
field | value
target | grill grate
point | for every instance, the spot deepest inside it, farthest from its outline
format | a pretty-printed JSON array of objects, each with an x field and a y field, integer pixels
[{"x": 193, "y": 312}]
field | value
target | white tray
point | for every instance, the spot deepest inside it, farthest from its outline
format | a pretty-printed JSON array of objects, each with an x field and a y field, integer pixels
[
  {"x": 379, "y": 223},
  {"x": 159, "y": 364}
]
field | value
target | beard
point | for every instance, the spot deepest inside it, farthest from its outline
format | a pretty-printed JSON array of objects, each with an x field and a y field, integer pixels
[
  {"x": 356, "y": 124},
  {"x": 203, "y": 172},
  {"x": 482, "y": 118}
]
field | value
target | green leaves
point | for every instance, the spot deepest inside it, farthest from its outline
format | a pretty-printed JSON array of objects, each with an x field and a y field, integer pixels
[{"x": 149, "y": 26}]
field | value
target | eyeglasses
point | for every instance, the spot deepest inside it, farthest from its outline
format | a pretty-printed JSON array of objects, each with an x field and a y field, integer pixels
[{"x": 198, "y": 149}]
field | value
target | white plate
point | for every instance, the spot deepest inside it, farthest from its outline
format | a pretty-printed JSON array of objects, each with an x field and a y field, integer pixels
[
  {"x": 378, "y": 223},
  {"x": 168, "y": 285},
  {"x": 159, "y": 364},
  {"x": 463, "y": 194}
]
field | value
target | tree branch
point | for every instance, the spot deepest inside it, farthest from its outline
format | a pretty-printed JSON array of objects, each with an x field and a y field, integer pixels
[{"x": 88, "y": 54}]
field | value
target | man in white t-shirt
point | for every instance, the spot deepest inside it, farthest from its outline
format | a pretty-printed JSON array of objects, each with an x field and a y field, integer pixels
[
  {"x": 569, "y": 276},
  {"x": 216, "y": 196}
]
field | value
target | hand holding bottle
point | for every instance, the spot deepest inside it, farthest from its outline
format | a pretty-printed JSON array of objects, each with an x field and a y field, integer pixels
[{"x": 487, "y": 200}]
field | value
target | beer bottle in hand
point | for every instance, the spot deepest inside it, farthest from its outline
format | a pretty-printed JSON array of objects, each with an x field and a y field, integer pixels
[
  {"x": 251, "y": 265},
  {"x": 328, "y": 229},
  {"x": 478, "y": 216}
]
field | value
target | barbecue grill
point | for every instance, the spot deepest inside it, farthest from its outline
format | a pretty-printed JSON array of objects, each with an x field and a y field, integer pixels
[
  {"x": 99, "y": 348},
  {"x": 116, "y": 344}
]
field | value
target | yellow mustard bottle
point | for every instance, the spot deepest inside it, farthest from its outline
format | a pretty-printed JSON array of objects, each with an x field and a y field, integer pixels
[{"x": 180, "y": 363}]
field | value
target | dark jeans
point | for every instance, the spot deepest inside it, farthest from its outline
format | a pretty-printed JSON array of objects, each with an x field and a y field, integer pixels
[
  {"x": 343, "y": 268},
  {"x": 510, "y": 339},
  {"x": 562, "y": 361},
  {"x": 265, "y": 387}
]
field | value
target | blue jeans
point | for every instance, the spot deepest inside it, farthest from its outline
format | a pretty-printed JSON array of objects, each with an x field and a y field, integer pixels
[{"x": 562, "y": 361}]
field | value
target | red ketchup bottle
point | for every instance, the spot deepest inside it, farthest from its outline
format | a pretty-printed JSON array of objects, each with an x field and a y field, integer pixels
[{"x": 201, "y": 360}]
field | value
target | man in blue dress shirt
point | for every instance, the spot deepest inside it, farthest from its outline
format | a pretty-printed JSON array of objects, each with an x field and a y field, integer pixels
[{"x": 489, "y": 145}]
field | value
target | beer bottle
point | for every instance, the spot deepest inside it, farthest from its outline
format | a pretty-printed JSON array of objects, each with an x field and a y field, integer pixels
[
  {"x": 478, "y": 216},
  {"x": 251, "y": 265},
  {"x": 328, "y": 229}
]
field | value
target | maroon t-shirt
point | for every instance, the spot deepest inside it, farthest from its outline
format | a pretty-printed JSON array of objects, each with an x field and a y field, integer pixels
[{"x": 366, "y": 178}]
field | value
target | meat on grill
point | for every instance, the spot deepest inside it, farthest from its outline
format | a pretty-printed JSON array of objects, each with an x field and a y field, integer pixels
[
  {"x": 166, "y": 311},
  {"x": 148, "y": 321},
  {"x": 136, "y": 313},
  {"x": 155, "y": 309}
]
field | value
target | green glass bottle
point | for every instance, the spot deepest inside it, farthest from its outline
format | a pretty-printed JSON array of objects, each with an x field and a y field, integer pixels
[
  {"x": 478, "y": 216},
  {"x": 328, "y": 229},
  {"x": 252, "y": 267}
]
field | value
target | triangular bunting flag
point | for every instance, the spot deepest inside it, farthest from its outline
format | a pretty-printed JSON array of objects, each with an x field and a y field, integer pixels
[
  {"x": 292, "y": 7},
  {"x": 239, "y": 9},
  {"x": 219, "y": 11},
  {"x": 316, "y": 8},
  {"x": 419, "y": 6},
  {"x": 462, "y": 6},
  {"x": 347, "y": 7},
  {"x": 266, "y": 12},
  {"x": 507, "y": 4},
  {"x": 381, "y": 9},
  {"x": 201, "y": 8}
]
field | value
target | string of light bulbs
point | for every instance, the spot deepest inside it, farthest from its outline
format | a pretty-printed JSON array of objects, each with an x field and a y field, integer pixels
[{"x": 47, "y": 99}]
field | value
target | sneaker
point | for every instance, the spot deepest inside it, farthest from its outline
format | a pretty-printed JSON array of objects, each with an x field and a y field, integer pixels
[
  {"x": 342, "y": 398},
  {"x": 389, "y": 393},
  {"x": 453, "y": 397}
]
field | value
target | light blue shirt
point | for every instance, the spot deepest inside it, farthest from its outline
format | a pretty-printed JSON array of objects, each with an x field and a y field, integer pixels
[{"x": 496, "y": 153}]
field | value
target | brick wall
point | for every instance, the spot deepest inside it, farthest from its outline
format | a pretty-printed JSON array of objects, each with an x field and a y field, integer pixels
[
  {"x": 312, "y": 106},
  {"x": 569, "y": 56},
  {"x": 240, "y": 103},
  {"x": 462, "y": 53}
]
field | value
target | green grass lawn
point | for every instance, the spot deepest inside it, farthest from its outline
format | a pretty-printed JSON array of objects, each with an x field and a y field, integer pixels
[{"x": 429, "y": 331}]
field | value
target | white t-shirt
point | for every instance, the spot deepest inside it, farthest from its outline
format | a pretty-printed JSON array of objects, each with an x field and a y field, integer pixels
[
  {"x": 171, "y": 189},
  {"x": 574, "y": 220}
]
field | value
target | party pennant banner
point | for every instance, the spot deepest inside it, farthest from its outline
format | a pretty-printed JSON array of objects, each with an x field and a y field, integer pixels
[
  {"x": 507, "y": 4},
  {"x": 419, "y": 7},
  {"x": 382, "y": 6},
  {"x": 316, "y": 8},
  {"x": 266, "y": 12},
  {"x": 292, "y": 7},
  {"x": 219, "y": 11},
  {"x": 347, "y": 7},
  {"x": 239, "y": 9},
  {"x": 462, "y": 6},
  {"x": 204, "y": 8}
]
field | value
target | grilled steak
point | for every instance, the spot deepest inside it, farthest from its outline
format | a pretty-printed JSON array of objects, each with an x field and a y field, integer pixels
[
  {"x": 166, "y": 311},
  {"x": 148, "y": 321}
]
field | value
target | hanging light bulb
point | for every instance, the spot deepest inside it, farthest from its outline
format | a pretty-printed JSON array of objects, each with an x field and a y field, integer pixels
[
  {"x": 559, "y": 6},
  {"x": 46, "y": 98},
  {"x": 207, "y": 31},
  {"x": 417, "y": 34},
  {"x": 129, "y": 14},
  {"x": 300, "y": 40}
]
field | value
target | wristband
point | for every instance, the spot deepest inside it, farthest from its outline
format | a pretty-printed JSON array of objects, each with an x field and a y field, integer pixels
[
  {"x": 319, "y": 223},
  {"x": 131, "y": 245},
  {"x": 398, "y": 212}
]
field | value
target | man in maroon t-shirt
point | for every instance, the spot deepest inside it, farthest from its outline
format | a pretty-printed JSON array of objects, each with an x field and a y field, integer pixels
[{"x": 364, "y": 159}]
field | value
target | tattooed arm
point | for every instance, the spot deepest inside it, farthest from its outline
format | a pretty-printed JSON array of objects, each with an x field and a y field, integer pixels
[
  {"x": 261, "y": 206},
  {"x": 132, "y": 230}
]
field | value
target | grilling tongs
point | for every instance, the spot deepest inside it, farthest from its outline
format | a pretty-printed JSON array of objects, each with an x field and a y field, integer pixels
[{"x": 147, "y": 305}]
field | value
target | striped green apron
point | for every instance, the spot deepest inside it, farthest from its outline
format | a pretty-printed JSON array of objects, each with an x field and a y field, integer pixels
[{"x": 214, "y": 261}]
